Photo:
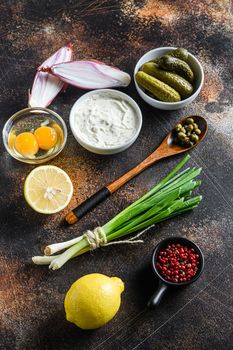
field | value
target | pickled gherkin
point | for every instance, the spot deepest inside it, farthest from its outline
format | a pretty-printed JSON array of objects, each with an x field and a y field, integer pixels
[
  {"x": 178, "y": 83},
  {"x": 159, "y": 89},
  {"x": 180, "y": 53},
  {"x": 176, "y": 65}
]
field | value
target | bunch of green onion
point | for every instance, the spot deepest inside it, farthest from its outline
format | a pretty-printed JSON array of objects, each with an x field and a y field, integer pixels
[{"x": 171, "y": 197}]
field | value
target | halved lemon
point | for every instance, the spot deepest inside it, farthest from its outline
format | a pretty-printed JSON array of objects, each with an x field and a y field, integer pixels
[{"x": 48, "y": 189}]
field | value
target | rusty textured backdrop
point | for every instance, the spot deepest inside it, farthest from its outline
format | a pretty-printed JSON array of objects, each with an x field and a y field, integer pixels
[{"x": 118, "y": 32}]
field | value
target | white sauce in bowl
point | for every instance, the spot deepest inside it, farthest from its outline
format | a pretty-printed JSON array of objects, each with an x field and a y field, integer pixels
[{"x": 104, "y": 120}]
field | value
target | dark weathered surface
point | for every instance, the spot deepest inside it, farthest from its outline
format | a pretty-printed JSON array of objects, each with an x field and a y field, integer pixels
[{"x": 118, "y": 32}]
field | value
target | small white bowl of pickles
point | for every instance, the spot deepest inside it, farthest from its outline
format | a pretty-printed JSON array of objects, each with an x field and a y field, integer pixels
[{"x": 168, "y": 78}]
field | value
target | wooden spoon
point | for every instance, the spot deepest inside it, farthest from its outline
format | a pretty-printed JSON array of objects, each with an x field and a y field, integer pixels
[{"x": 166, "y": 149}]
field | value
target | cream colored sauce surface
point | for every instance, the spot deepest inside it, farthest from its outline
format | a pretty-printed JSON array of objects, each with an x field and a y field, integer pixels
[{"x": 105, "y": 121}]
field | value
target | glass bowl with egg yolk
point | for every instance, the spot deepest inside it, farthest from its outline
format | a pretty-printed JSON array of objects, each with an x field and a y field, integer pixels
[{"x": 34, "y": 135}]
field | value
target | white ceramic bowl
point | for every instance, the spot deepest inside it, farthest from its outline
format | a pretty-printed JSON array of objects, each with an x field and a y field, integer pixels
[
  {"x": 106, "y": 150},
  {"x": 195, "y": 66}
]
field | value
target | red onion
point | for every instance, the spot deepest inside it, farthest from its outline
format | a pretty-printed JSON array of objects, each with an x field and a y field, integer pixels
[
  {"x": 89, "y": 74},
  {"x": 46, "y": 86}
]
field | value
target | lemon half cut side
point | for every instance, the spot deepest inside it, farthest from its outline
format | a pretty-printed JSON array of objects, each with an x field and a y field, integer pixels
[{"x": 48, "y": 189}]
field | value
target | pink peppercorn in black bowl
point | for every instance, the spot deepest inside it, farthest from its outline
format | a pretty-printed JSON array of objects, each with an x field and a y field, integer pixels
[{"x": 177, "y": 262}]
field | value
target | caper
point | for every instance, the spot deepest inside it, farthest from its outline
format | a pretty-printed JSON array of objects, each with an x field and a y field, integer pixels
[
  {"x": 189, "y": 128},
  {"x": 194, "y": 138},
  {"x": 181, "y": 136},
  {"x": 183, "y": 130},
  {"x": 178, "y": 127},
  {"x": 187, "y": 134},
  {"x": 189, "y": 120}
]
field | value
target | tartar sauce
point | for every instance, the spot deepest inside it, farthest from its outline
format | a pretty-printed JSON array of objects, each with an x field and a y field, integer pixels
[{"x": 105, "y": 121}]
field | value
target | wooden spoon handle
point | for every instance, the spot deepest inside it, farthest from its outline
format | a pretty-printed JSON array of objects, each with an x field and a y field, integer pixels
[
  {"x": 113, "y": 186},
  {"x": 106, "y": 191}
]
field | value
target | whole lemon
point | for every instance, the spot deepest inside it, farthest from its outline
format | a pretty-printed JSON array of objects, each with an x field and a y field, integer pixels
[{"x": 93, "y": 300}]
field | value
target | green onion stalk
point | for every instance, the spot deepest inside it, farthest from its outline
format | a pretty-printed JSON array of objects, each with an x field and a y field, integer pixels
[{"x": 171, "y": 197}]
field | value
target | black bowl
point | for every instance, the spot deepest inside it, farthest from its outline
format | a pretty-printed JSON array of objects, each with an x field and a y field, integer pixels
[{"x": 163, "y": 283}]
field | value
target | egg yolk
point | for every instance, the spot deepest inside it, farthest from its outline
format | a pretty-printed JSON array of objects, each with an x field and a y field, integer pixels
[
  {"x": 26, "y": 144},
  {"x": 46, "y": 137}
]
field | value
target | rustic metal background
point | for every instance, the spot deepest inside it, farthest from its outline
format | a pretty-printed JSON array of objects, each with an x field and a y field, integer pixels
[{"x": 118, "y": 32}]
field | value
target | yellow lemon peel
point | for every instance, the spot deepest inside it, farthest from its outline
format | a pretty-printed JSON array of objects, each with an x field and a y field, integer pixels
[{"x": 93, "y": 300}]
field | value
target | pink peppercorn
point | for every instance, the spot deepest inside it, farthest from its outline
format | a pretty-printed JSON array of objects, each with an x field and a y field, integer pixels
[{"x": 178, "y": 263}]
